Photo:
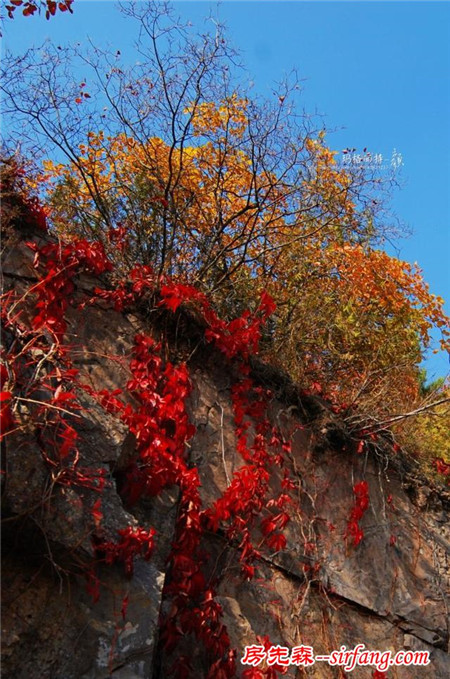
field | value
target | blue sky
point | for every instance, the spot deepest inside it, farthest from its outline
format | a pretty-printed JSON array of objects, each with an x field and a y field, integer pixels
[{"x": 378, "y": 71}]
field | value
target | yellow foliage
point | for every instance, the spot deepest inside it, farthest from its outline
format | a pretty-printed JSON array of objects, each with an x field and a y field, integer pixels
[{"x": 349, "y": 316}]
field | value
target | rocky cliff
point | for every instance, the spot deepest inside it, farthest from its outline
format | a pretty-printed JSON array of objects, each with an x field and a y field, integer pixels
[{"x": 363, "y": 541}]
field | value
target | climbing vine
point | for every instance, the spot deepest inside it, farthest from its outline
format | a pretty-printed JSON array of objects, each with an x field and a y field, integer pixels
[
  {"x": 41, "y": 395},
  {"x": 41, "y": 388}
]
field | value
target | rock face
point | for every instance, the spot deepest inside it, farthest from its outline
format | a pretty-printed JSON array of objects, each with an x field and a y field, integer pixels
[{"x": 390, "y": 591}]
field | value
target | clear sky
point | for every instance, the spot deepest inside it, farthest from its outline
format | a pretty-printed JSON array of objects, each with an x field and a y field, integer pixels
[{"x": 378, "y": 71}]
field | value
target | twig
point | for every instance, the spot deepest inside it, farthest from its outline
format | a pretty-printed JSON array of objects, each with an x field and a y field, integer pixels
[
  {"x": 381, "y": 425},
  {"x": 222, "y": 441},
  {"x": 48, "y": 405}
]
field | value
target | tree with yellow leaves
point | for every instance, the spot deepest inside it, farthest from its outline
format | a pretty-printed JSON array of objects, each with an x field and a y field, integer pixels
[{"x": 233, "y": 195}]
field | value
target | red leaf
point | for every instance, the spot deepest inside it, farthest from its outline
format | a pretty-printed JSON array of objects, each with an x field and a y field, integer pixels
[
  {"x": 277, "y": 542},
  {"x": 268, "y": 526},
  {"x": 441, "y": 466},
  {"x": 267, "y": 305}
]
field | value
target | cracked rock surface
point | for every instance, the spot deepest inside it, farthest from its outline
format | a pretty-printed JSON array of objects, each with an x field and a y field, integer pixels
[{"x": 389, "y": 592}]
